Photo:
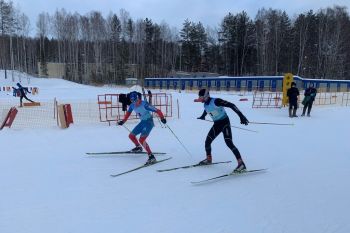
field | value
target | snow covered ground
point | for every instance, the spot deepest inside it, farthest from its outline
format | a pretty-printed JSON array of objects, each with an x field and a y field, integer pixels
[{"x": 49, "y": 185}]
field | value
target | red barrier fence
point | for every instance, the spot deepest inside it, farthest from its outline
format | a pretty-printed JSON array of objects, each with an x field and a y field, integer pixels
[
  {"x": 68, "y": 114},
  {"x": 10, "y": 117},
  {"x": 110, "y": 109},
  {"x": 33, "y": 90}
]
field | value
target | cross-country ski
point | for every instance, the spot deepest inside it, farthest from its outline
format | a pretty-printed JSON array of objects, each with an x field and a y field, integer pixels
[
  {"x": 229, "y": 174},
  {"x": 190, "y": 166},
  {"x": 123, "y": 153},
  {"x": 139, "y": 167}
]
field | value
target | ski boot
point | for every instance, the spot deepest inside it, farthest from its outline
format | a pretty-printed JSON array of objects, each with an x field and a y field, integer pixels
[
  {"x": 151, "y": 160},
  {"x": 294, "y": 113},
  {"x": 206, "y": 161},
  {"x": 304, "y": 110},
  {"x": 136, "y": 149},
  {"x": 240, "y": 167}
]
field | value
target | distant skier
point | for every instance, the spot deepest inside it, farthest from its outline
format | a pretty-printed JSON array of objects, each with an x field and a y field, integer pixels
[
  {"x": 310, "y": 94},
  {"x": 143, "y": 109},
  {"x": 215, "y": 108},
  {"x": 293, "y": 94},
  {"x": 22, "y": 93}
]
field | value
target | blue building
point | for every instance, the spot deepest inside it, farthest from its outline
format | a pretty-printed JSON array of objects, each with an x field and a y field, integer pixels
[{"x": 249, "y": 83}]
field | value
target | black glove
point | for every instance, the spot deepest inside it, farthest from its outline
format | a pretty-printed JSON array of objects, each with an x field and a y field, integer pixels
[
  {"x": 201, "y": 118},
  {"x": 163, "y": 120},
  {"x": 244, "y": 120},
  {"x": 120, "y": 122}
]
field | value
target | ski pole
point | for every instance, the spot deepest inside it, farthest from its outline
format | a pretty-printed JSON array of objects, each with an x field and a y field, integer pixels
[
  {"x": 126, "y": 128},
  {"x": 238, "y": 127},
  {"x": 267, "y": 123},
  {"x": 179, "y": 140}
]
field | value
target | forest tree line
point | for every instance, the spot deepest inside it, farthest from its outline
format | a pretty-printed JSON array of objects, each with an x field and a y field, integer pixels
[{"x": 98, "y": 49}]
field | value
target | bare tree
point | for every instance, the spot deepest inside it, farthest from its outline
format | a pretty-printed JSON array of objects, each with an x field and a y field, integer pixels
[
  {"x": 7, "y": 24},
  {"x": 42, "y": 32},
  {"x": 98, "y": 35},
  {"x": 23, "y": 33}
]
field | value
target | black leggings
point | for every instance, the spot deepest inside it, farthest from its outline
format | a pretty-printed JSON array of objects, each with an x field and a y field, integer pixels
[
  {"x": 223, "y": 126},
  {"x": 24, "y": 96}
]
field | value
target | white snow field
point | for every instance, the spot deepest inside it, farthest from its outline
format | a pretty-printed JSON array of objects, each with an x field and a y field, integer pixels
[{"x": 49, "y": 185}]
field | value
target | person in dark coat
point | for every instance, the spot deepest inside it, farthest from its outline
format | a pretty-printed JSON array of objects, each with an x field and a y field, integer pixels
[
  {"x": 22, "y": 93},
  {"x": 293, "y": 94},
  {"x": 310, "y": 94}
]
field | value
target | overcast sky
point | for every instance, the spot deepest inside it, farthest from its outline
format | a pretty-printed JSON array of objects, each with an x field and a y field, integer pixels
[{"x": 174, "y": 12}]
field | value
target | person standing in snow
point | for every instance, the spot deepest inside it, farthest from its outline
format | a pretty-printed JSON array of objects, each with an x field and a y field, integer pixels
[
  {"x": 310, "y": 94},
  {"x": 215, "y": 108},
  {"x": 22, "y": 93},
  {"x": 143, "y": 109},
  {"x": 293, "y": 94}
]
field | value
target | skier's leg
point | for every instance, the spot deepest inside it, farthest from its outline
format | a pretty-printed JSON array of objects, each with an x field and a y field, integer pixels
[
  {"x": 134, "y": 139},
  {"x": 213, "y": 133},
  {"x": 210, "y": 138},
  {"x": 20, "y": 101},
  {"x": 148, "y": 126},
  {"x": 137, "y": 130},
  {"x": 28, "y": 99},
  {"x": 144, "y": 134},
  {"x": 145, "y": 145},
  {"x": 228, "y": 140}
]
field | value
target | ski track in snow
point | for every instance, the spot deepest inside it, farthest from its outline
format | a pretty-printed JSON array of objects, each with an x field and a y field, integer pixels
[{"x": 49, "y": 184}]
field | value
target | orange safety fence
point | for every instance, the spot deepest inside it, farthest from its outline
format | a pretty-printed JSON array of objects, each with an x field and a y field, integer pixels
[
  {"x": 110, "y": 109},
  {"x": 33, "y": 90}
]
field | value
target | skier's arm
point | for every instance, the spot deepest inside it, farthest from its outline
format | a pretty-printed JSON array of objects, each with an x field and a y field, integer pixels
[
  {"x": 157, "y": 111},
  {"x": 127, "y": 115},
  {"x": 224, "y": 103},
  {"x": 202, "y": 117}
]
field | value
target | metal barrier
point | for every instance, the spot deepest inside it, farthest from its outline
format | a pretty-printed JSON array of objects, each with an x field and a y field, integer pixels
[
  {"x": 345, "y": 101},
  {"x": 267, "y": 100},
  {"x": 110, "y": 109},
  {"x": 325, "y": 98}
]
